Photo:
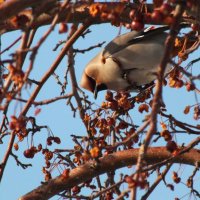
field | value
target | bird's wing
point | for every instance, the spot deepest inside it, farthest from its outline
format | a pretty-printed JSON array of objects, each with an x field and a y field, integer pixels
[
  {"x": 148, "y": 34},
  {"x": 119, "y": 43},
  {"x": 134, "y": 37},
  {"x": 130, "y": 38}
]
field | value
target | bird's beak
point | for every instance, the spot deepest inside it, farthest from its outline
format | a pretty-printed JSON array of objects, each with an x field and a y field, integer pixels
[
  {"x": 99, "y": 87},
  {"x": 95, "y": 91}
]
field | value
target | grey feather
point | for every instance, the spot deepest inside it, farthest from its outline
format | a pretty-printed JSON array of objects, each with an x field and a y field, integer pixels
[{"x": 131, "y": 59}]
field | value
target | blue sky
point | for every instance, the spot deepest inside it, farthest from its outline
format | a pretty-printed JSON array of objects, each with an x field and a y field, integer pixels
[{"x": 59, "y": 118}]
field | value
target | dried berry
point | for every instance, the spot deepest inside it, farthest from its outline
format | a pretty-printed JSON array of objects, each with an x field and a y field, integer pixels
[
  {"x": 16, "y": 146},
  {"x": 94, "y": 152},
  {"x": 186, "y": 110},
  {"x": 57, "y": 140},
  {"x": 65, "y": 173},
  {"x": 143, "y": 107},
  {"x": 109, "y": 96},
  {"x": 76, "y": 190},
  {"x": 63, "y": 28},
  {"x": 171, "y": 146}
]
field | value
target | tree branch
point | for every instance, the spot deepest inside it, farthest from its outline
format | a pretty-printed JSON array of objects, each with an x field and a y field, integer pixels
[
  {"x": 38, "y": 88},
  {"x": 107, "y": 163},
  {"x": 13, "y": 7}
]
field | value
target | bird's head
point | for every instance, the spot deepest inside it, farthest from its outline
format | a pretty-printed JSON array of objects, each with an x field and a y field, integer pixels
[{"x": 89, "y": 83}]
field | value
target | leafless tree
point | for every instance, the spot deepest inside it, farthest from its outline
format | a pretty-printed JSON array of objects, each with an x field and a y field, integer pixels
[{"x": 112, "y": 139}]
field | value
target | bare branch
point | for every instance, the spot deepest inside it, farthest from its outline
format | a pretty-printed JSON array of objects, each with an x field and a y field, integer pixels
[{"x": 107, "y": 163}]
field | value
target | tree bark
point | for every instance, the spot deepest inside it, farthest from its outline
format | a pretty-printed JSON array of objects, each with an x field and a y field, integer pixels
[{"x": 75, "y": 13}]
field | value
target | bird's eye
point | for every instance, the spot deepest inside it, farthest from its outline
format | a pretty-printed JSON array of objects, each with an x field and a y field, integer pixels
[{"x": 102, "y": 86}]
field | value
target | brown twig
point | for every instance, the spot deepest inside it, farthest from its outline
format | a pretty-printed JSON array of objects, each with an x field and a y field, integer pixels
[
  {"x": 13, "y": 7},
  {"x": 75, "y": 84},
  {"x": 106, "y": 189},
  {"x": 189, "y": 148},
  {"x": 19, "y": 62},
  {"x": 11, "y": 45},
  {"x": 76, "y": 13},
  {"x": 38, "y": 88},
  {"x": 47, "y": 101},
  {"x": 7, "y": 154},
  {"x": 24, "y": 166},
  {"x": 54, "y": 66},
  {"x": 89, "y": 48},
  {"x": 42, "y": 39},
  {"x": 128, "y": 139},
  {"x": 156, "y": 182},
  {"x": 185, "y": 126}
]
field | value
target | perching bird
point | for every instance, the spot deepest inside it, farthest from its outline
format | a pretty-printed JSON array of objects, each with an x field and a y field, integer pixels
[{"x": 128, "y": 62}]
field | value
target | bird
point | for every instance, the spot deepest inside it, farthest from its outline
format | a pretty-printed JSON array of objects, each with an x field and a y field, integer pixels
[{"x": 127, "y": 63}]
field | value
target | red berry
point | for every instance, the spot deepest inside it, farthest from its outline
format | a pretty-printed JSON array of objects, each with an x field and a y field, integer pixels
[
  {"x": 16, "y": 146},
  {"x": 57, "y": 140},
  {"x": 177, "y": 180},
  {"x": 28, "y": 153},
  {"x": 128, "y": 179},
  {"x": 12, "y": 126},
  {"x": 63, "y": 28},
  {"x": 113, "y": 105},
  {"x": 122, "y": 125},
  {"x": 157, "y": 16},
  {"x": 44, "y": 151},
  {"x": 33, "y": 149},
  {"x": 109, "y": 96},
  {"x": 137, "y": 25},
  {"x": 179, "y": 84},
  {"x": 65, "y": 173},
  {"x": 143, "y": 107},
  {"x": 110, "y": 121},
  {"x": 49, "y": 141},
  {"x": 190, "y": 87},
  {"x": 195, "y": 27},
  {"x": 76, "y": 190}
]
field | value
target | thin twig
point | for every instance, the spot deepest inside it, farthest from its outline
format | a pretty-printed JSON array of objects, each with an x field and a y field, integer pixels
[
  {"x": 47, "y": 101},
  {"x": 38, "y": 88},
  {"x": 156, "y": 182},
  {"x": 11, "y": 45},
  {"x": 106, "y": 189}
]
